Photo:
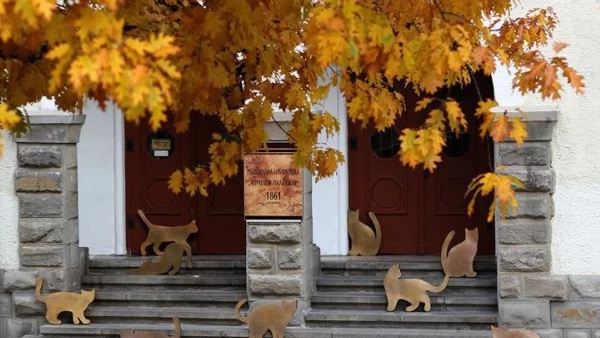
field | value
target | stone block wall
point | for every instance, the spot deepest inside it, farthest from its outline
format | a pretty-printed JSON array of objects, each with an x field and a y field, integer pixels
[
  {"x": 281, "y": 259},
  {"x": 555, "y": 306},
  {"x": 46, "y": 185}
]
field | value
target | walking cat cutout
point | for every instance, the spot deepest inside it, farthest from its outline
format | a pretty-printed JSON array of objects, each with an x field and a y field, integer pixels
[
  {"x": 267, "y": 317},
  {"x": 503, "y": 332},
  {"x": 64, "y": 302},
  {"x": 458, "y": 262},
  {"x": 364, "y": 241},
  {"x": 157, "y": 234},
  {"x": 169, "y": 262},
  {"x": 153, "y": 334},
  {"x": 412, "y": 290}
]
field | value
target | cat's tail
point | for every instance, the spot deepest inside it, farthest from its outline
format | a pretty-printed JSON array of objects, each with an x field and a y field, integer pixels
[
  {"x": 177, "y": 326},
  {"x": 38, "y": 290},
  {"x": 441, "y": 287},
  {"x": 237, "y": 311},
  {"x": 445, "y": 248},
  {"x": 377, "y": 227},
  {"x": 144, "y": 218}
]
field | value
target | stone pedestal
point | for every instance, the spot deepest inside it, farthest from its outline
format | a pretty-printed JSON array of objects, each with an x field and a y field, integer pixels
[
  {"x": 281, "y": 259},
  {"x": 46, "y": 184}
]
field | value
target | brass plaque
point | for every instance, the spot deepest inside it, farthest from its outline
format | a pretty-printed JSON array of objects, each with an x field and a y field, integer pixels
[
  {"x": 161, "y": 144},
  {"x": 272, "y": 186}
]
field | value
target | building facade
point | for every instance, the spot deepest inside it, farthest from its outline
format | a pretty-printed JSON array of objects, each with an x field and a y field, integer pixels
[{"x": 548, "y": 260}]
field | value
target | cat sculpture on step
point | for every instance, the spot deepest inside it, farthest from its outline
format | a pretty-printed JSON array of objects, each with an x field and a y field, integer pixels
[
  {"x": 267, "y": 317},
  {"x": 412, "y": 290},
  {"x": 169, "y": 262},
  {"x": 64, "y": 302},
  {"x": 364, "y": 241},
  {"x": 153, "y": 334},
  {"x": 458, "y": 262},
  {"x": 158, "y": 234},
  {"x": 504, "y": 332}
]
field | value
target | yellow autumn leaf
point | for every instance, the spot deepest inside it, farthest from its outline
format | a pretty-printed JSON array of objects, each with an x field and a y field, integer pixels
[
  {"x": 176, "y": 182},
  {"x": 518, "y": 130},
  {"x": 456, "y": 117},
  {"x": 500, "y": 128}
]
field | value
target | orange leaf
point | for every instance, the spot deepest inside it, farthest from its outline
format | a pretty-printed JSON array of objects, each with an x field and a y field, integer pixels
[
  {"x": 500, "y": 128},
  {"x": 558, "y": 46}
]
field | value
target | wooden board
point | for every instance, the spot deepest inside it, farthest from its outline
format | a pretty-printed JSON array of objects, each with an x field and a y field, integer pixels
[{"x": 272, "y": 186}]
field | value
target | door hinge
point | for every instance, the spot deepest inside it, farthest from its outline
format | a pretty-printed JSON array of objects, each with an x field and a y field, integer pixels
[
  {"x": 352, "y": 143},
  {"x": 129, "y": 145}
]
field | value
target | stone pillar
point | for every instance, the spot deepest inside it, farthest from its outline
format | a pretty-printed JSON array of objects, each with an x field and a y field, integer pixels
[
  {"x": 281, "y": 259},
  {"x": 525, "y": 284},
  {"x": 46, "y": 184}
]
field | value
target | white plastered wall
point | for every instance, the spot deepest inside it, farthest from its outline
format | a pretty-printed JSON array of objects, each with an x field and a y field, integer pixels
[{"x": 576, "y": 142}]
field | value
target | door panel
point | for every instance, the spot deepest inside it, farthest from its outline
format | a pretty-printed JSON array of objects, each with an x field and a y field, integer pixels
[
  {"x": 220, "y": 218},
  {"x": 417, "y": 209},
  {"x": 146, "y": 183},
  {"x": 381, "y": 184},
  {"x": 221, "y": 223},
  {"x": 465, "y": 156}
]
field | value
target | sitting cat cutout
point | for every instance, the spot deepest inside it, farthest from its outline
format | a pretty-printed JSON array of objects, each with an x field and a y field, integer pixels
[
  {"x": 267, "y": 317},
  {"x": 169, "y": 262},
  {"x": 64, "y": 302},
  {"x": 153, "y": 334},
  {"x": 458, "y": 262},
  {"x": 364, "y": 241},
  {"x": 158, "y": 234},
  {"x": 412, "y": 290},
  {"x": 504, "y": 332}
]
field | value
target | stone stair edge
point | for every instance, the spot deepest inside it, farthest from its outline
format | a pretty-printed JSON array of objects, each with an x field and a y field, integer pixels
[{"x": 242, "y": 331}]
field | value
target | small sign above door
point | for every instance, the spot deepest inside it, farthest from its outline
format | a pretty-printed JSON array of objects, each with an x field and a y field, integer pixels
[
  {"x": 272, "y": 186},
  {"x": 160, "y": 145}
]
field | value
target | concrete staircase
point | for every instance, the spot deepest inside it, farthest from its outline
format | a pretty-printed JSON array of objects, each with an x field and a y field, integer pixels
[{"x": 349, "y": 301}]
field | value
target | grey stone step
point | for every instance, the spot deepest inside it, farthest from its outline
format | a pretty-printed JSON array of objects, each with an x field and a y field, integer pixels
[
  {"x": 213, "y": 331},
  {"x": 210, "y": 298},
  {"x": 486, "y": 301},
  {"x": 228, "y": 265},
  {"x": 161, "y": 314},
  {"x": 368, "y": 283},
  {"x": 411, "y": 266},
  {"x": 164, "y": 282},
  {"x": 455, "y": 320}
]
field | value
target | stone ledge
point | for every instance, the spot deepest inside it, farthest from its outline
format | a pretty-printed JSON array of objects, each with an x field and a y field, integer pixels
[
  {"x": 37, "y": 156},
  {"x": 575, "y": 314},
  {"x": 525, "y": 313},
  {"x": 271, "y": 233},
  {"x": 260, "y": 258},
  {"x": 19, "y": 280},
  {"x": 61, "y": 129},
  {"x": 523, "y": 231},
  {"x": 509, "y": 287},
  {"x": 584, "y": 286},
  {"x": 528, "y": 154},
  {"x": 547, "y": 287},
  {"x": 532, "y": 205},
  {"x": 49, "y": 255},
  {"x": 40, "y": 205},
  {"x": 513, "y": 258},
  {"x": 275, "y": 284},
  {"x": 30, "y": 181},
  {"x": 535, "y": 179}
]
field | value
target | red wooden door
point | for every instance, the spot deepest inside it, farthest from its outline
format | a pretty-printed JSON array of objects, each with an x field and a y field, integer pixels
[
  {"x": 416, "y": 209},
  {"x": 219, "y": 217},
  {"x": 221, "y": 227},
  {"x": 379, "y": 183}
]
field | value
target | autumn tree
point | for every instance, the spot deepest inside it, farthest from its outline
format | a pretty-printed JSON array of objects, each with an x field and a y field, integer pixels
[{"x": 238, "y": 60}]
